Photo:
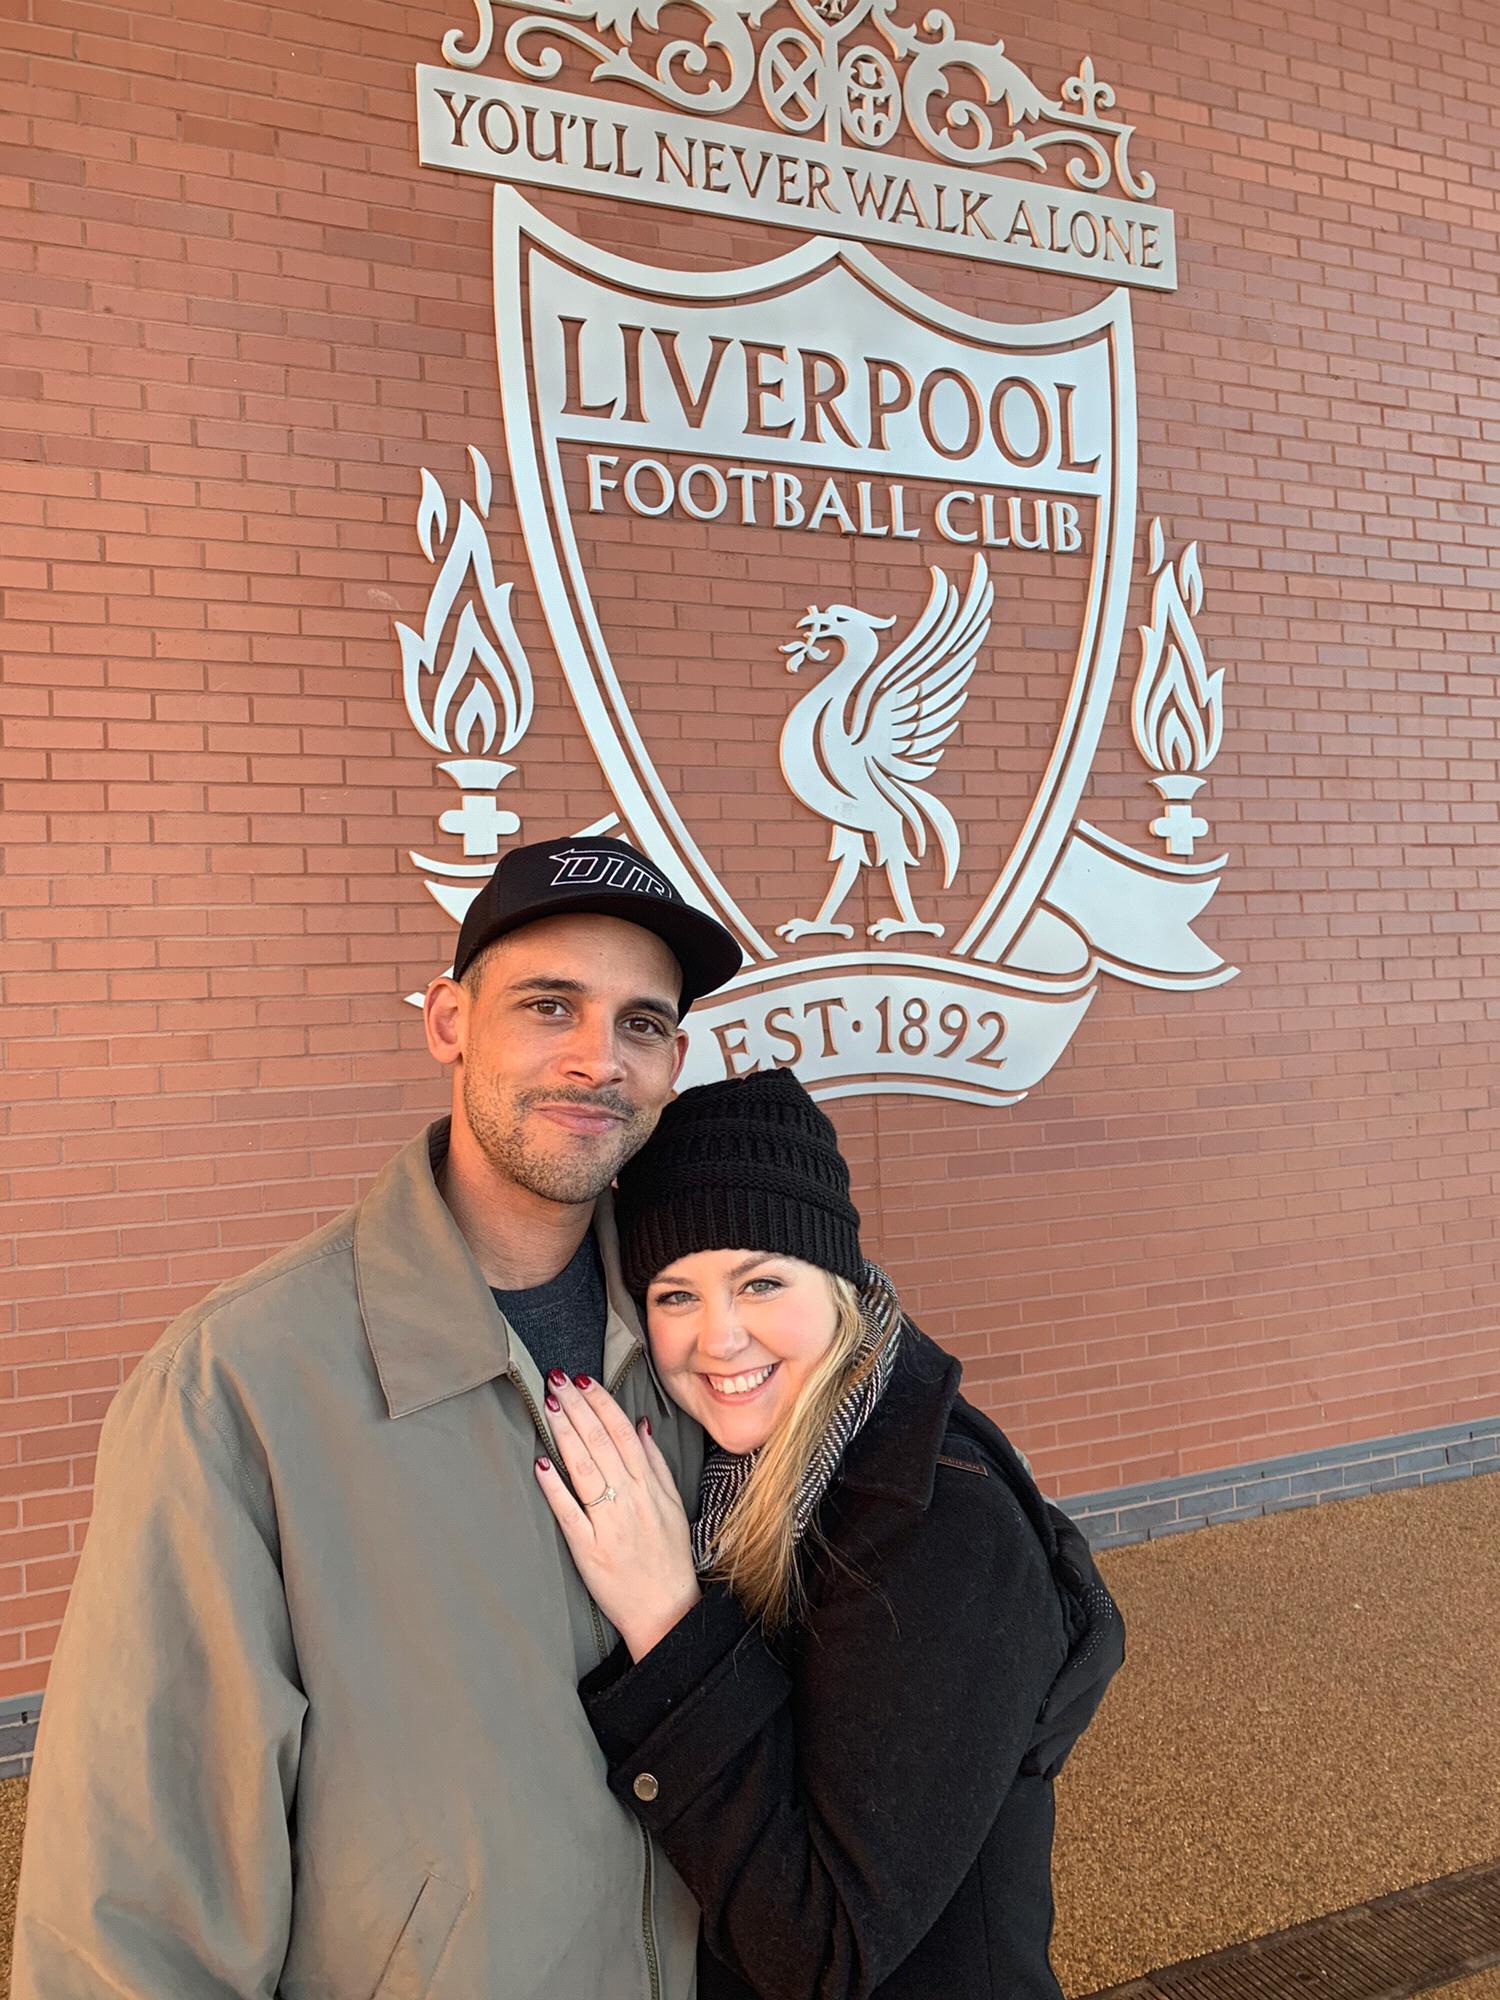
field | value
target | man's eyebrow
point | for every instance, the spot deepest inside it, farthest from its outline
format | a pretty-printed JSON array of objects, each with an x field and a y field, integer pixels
[
  {"x": 544, "y": 983},
  {"x": 650, "y": 1003}
]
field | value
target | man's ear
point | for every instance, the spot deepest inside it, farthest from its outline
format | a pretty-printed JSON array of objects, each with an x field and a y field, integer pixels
[
  {"x": 679, "y": 1055},
  {"x": 445, "y": 1016}
]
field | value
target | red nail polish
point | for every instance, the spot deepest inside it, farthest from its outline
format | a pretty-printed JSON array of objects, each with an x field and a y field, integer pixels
[
  {"x": 646, "y": 1425},
  {"x": 552, "y": 1402},
  {"x": 556, "y": 1377},
  {"x": 584, "y": 1381},
  {"x": 544, "y": 1465}
]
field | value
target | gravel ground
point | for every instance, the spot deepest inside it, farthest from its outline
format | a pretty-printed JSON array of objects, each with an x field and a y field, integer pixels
[
  {"x": 1306, "y": 1719},
  {"x": 12, "y": 1815}
]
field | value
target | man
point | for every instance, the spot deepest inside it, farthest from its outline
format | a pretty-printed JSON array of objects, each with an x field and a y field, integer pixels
[{"x": 312, "y": 1729}]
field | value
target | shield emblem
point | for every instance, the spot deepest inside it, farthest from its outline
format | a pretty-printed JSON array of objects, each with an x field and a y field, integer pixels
[{"x": 930, "y": 517}]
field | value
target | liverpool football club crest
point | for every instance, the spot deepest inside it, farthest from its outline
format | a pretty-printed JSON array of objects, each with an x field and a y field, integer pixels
[{"x": 836, "y": 574}]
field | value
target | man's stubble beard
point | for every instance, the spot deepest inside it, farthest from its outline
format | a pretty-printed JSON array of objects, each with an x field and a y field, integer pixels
[{"x": 500, "y": 1133}]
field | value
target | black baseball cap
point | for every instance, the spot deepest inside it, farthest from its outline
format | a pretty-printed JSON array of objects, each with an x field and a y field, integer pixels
[{"x": 590, "y": 876}]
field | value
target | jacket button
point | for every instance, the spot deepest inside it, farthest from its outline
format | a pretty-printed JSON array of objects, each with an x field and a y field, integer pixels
[{"x": 645, "y": 1788}]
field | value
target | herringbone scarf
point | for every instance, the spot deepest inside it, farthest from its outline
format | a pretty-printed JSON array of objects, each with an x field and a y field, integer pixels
[{"x": 726, "y": 1474}]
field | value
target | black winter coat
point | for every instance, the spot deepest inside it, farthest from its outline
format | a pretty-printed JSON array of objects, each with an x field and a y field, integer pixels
[{"x": 863, "y": 1809}]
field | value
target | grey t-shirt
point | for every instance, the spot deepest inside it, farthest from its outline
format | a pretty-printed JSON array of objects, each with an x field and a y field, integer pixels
[{"x": 562, "y": 1322}]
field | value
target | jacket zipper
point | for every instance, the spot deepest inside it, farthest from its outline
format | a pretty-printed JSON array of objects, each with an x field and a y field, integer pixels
[
  {"x": 648, "y": 1885},
  {"x": 648, "y": 1899},
  {"x": 648, "y": 1920},
  {"x": 629, "y": 1362}
]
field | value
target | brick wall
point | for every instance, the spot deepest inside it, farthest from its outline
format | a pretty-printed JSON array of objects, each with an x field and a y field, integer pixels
[{"x": 236, "y": 318}]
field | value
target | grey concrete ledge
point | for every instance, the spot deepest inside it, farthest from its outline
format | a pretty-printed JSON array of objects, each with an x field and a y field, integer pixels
[
  {"x": 18, "y": 1720},
  {"x": 1275, "y": 1485}
]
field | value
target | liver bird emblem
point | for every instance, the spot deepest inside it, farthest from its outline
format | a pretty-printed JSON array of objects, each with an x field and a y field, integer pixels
[{"x": 858, "y": 747}]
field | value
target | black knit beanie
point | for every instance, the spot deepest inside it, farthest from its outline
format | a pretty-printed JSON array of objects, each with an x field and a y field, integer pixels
[{"x": 747, "y": 1164}]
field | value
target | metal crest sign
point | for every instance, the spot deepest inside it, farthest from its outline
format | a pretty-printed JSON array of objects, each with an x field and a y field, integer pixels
[{"x": 899, "y": 537}]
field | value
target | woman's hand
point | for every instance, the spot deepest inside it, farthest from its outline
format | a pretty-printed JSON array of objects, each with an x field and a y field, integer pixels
[{"x": 626, "y": 1527}]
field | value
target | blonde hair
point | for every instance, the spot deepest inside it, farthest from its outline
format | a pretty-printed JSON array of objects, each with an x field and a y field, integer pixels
[{"x": 756, "y": 1551}]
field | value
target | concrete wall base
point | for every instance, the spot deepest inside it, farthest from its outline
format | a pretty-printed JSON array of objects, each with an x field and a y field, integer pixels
[{"x": 1305, "y": 1479}]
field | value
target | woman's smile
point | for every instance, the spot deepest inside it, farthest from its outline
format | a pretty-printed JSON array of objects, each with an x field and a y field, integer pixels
[{"x": 740, "y": 1388}]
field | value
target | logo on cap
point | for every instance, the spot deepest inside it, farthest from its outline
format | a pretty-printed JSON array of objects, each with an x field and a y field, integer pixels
[{"x": 580, "y": 869}]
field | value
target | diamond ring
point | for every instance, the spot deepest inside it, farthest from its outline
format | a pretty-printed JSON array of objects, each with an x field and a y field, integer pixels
[{"x": 607, "y": 1494}]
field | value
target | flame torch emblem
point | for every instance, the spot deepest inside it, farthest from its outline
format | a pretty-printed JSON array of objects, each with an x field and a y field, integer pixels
[
  {"x": 1177, "y": 714},
  {"x": 467, "y": 682}
]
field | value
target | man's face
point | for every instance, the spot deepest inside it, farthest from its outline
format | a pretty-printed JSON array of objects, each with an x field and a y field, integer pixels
[{"x": 566, "y": 1052}]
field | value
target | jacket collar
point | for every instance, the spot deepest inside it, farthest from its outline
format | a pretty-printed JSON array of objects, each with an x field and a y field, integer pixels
[
  {"x": 430, "y": 1318},
  {"x": 895, "y": 1456}
]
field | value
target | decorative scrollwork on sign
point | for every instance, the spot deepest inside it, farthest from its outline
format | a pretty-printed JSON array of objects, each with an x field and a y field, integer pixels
[
  {"x": 478, "y": 50},
  {"x": 967, "y": 131},
  {"x": 1177, "y": 713},
  {"x": 1092, "y": 96},
  {"x": 966, "y": 101},
  {"x": 677, "y": 74}
]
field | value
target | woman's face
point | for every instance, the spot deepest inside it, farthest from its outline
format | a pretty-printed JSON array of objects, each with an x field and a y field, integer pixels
[{"x": 735, "y": 1334}]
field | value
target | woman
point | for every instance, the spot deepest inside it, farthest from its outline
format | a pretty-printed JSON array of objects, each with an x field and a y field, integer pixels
[{"x": 842, "y": 1694}]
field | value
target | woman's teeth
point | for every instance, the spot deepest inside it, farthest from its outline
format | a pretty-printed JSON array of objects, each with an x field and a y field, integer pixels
[{"x": 740, "y": 1385}]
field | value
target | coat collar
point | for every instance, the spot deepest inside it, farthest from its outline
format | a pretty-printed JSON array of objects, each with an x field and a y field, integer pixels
[
  {"x": 430, "y": 1318},
  {"x": 895, "y": 1456}
]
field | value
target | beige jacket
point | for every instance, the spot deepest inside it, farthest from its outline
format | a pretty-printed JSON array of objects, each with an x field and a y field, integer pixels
[{"x": 313, "y": 1728}]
